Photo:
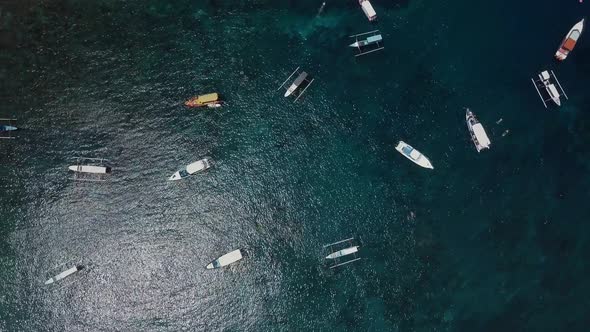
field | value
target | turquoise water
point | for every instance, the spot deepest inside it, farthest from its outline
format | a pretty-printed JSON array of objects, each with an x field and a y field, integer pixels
[{"x": 487, "y": 242}]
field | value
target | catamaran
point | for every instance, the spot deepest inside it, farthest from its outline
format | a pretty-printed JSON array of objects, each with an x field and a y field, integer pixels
[
  {"x": 414, "y": 155},
  {"x": 196, "y": 167},
  {"x": 569, "y": 42},
  {"x": 64, "y": 274},
  {"x": 225, "y": 260},
  {"x": 478, "y": 134}
]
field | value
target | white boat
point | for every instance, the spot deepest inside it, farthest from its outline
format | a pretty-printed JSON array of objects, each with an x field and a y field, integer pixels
[
  {"x": 296, "y": 84},
  {"x": 368, "y": 41},
  {"x": 478, "y": 134},
  {"x": 196, "y": 167},
  {"x": 570, "y": 40},
  {"x": 63, "y": 274},
  {"x": 368, "y": 9},
  {"x": 90, "y": 169},
  {"x": 227, "y": 259},
  {"x": 414, "y": 155},
  {"x": 343, "y": 252},
  {"x": 545, "y": 79}
]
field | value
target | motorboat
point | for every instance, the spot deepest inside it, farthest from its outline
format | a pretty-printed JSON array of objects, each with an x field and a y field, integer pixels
[
  {"x": 300, "y": 79},
  {"x": 368, "y": 10},
  {"x": 209, "y": 100},
  {"x": 570, "y": 40},
  {"x": 478, "y": 134},
  {"x": 227, "y": 259},
  {"x": 196, "y": 167},
  {"x": 343, "y": 252},
  {"x": 64, "y": 274},
  {"x": 414, "y": 155}
]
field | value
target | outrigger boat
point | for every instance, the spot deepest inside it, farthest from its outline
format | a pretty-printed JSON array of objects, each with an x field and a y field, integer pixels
[
  {"x": 301, "y": 82},
  {"x": 414, "y": 155},
  {"x": 90, "y": 169},
  {"x": 209, "y": 100},
  {"x": 64, "y": 274},
  {"x": 6, "y": 128},
  {"x": 368, "y": 10},
  {"x": 478, "y": 134},
  {"x": 544, "y": 83},
  {"x": 569, "y": 42},
  {"x": 225, "y": 260},
  {"x": 196, "y": 167},
  {"x": 371, "y": 42},
  {"x": 338, "y": 252}
]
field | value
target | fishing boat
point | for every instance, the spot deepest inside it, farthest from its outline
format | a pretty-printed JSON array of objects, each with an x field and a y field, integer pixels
[
  {"x": 7, "y": 128},
  {"x": 478, "y": 134},
  {"x": 299, "y": 85},
  {"x": 545, "y": 83},
  {"x": 64, "y": 274},
  {"x": 196, "y": 167},
  {"x": 414, "y": 155},
  {"x": 371, "y": 42},
  {"x": 302, "y": 76},
  {"x": 368, "y": 10},
  {"x": 208, "y": 100},
  {"x": 570, "y": 40},
  {"x": 90, "y": 169},
  {"x": 227, "y": 259},
  {"x": 342, "y": 252}
]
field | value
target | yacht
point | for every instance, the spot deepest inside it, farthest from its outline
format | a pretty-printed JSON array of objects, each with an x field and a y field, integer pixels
[
  {"x": 570, "y": 40},
  {"x": 478, "y": 134},
  {"x": 414, "y": 155},
  {"x": 196, "y": 167}
]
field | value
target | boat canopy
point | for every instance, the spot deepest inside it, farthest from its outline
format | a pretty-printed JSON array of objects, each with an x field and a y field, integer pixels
[
  {"x": 481, "y": 135},
  {"x": 208, "y": 98},
  {"x": 196, "y": 166},
  {"x": 374, "y": 39}
]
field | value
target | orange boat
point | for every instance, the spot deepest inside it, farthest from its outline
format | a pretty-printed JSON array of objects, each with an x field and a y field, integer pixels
[
  {"x": 208, "y": 100},
  {"x": 568, "y": 44}
]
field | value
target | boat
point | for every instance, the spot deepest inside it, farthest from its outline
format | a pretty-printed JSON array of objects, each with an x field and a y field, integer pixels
[
  {"x": 368, "y": 10},
  {"x": 64, "y": 274},
  {"x": 296, "y": 84},
  {"x": 478, "y": 134},
  {"x": 414, "y": 155},
  {"x": 545, "y": 82},
  {"x": 570, "y": 40},
  {"x": 196, "y": 167},
  {"x": 90, "y": 169},
  {"x": 7, "y": 128},
  {"x": 365, "y": 42},
  {"x": 207, "y": 100},
  {"x": 343, "y": 252},
  {"x": 227, "y": 259}
]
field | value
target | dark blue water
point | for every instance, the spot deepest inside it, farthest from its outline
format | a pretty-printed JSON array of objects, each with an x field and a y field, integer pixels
[{"x": 495, "y": 241}]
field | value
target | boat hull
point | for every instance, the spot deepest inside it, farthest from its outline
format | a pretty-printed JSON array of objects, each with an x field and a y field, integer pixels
[
  {"x": 225, "y": 260},
  {"x": 8, "y": 128},
  {"x": 569, "y": 42}
]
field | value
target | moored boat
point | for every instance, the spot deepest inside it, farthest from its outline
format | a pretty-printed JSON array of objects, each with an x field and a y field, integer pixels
[
  {"x": 478, "y": 134},
  {"x": 208, "y": 100},
  {"x": 64, "y": 274},
  {"x": 368, "y": 41},
  {"x": 414, "y": 155},
  {"x": 90, "y": 169},
  {"x": 368, "y": 10},
  {"x": 296, "y": 84},
  {"x": 227, "y": 259},
  {"x": 196, "y": 167},
  {"x": 570, "y": 40}
]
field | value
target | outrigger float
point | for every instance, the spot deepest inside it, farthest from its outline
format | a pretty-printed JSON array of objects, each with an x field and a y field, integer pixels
[
  {"x": 544, "y": 83},
  {"x": 90, "y": 169},
  {"x": 210, "y": 100},
  {"x": 190, "y": 169},
  {"x": 345, "y": 251},
  {"x": 478, "y": 134},
  {"x": 299, "y": 85},
  {"x": 570, "y": 40},
  {"x": 227, "y": 259},
  {"x": 368, "y": 10},
  {"x": 64, "y": 274},
  {"x": 372, "y": 43},
  {"x": 7, "y": 128}
]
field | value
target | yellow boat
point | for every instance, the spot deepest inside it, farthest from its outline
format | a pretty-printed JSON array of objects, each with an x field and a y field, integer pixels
[{"x": 209, "y": 100}]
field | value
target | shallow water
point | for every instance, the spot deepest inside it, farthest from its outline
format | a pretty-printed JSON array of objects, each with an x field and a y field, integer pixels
[{"x": 490, "y": 241}]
